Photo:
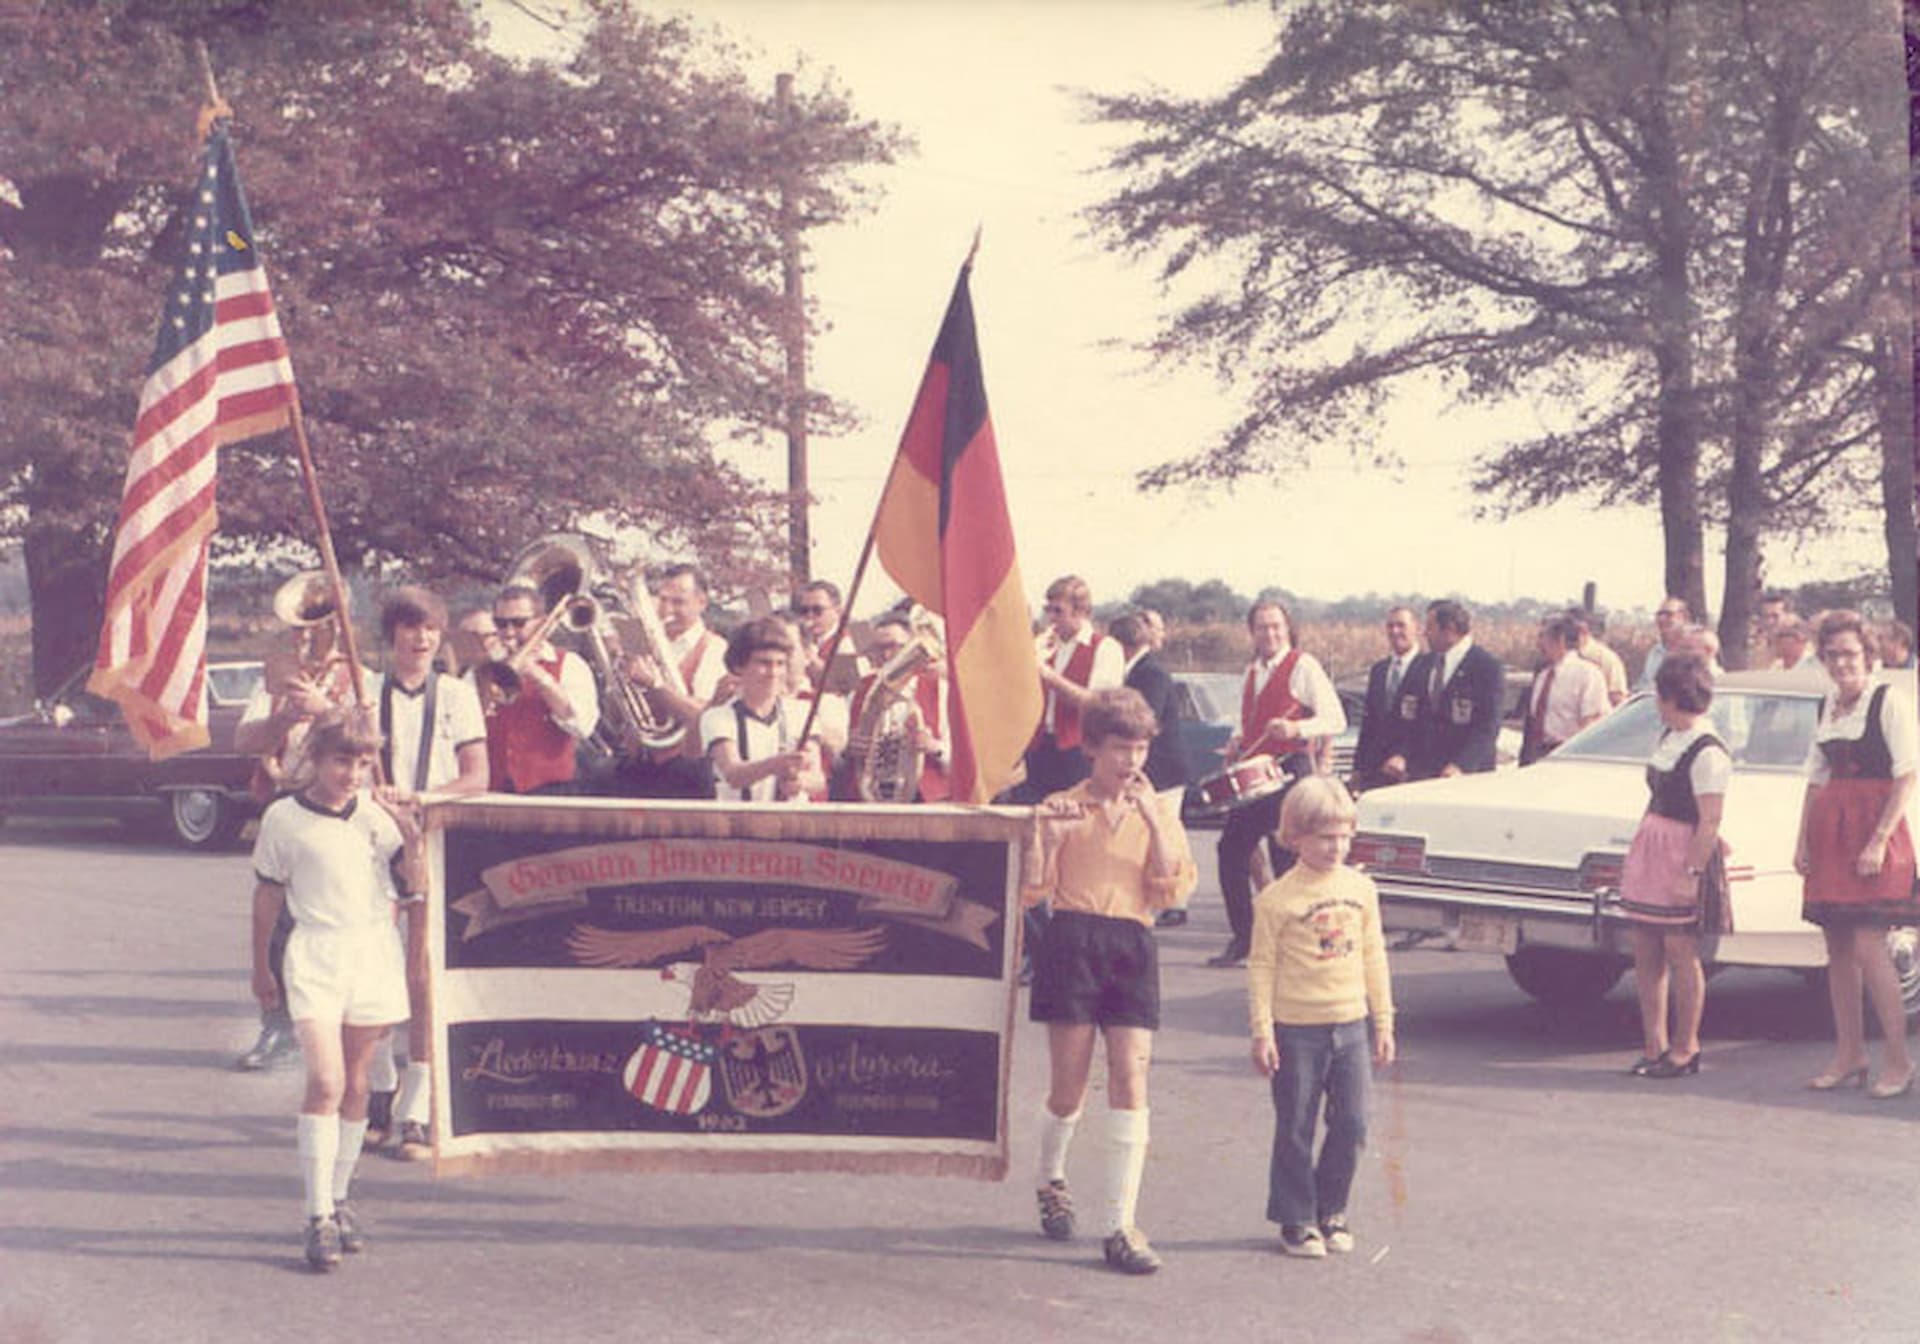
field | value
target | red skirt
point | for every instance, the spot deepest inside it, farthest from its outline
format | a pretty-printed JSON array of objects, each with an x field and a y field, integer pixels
[{"x": 1841, "y": 820}]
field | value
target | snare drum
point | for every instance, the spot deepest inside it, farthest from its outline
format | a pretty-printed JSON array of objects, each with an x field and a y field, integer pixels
[{"x": 1241, "y": 783}]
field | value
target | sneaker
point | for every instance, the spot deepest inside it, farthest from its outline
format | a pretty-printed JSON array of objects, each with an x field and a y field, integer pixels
[
  {"x": 412, "y": 1145},
  {"x": 275, "y": 1042},
  {"x": 379, "y": 1118},
  {"x": 1234, "y": 955},
  {"x": 1338, "y": 1236},
  {"x": 1305, "y": 1242},
  {"x": 353, "y": 1239},
  {"x": 323, "y": 1242},
  {"x": 1056, "y": 1211},
  {"x": 1127, "y": 1251}
]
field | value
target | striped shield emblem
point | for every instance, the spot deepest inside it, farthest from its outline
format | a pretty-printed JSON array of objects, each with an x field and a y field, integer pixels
[{"x": 672, "y": 1071}]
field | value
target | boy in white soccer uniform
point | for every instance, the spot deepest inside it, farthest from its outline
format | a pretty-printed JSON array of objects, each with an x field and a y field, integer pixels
[{"x": 337, "y": 860}]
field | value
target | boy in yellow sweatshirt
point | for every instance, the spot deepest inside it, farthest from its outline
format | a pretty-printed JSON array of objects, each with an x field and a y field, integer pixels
[{"x": 1317, "y": 971}]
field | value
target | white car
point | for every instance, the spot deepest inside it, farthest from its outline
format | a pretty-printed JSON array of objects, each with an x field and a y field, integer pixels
[{"x": 1526, "y": 863}]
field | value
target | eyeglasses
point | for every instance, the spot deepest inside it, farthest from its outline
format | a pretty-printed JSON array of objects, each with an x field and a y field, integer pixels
[
  {"x": 513, "y": 622},
  {"x": 813, "y": 611}
]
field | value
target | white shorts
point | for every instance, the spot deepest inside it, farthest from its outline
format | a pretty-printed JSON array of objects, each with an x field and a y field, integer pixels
[{"x": 356, "y": 976}]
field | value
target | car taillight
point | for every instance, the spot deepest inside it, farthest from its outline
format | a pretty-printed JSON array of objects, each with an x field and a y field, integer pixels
[
  {"x": 1397, "y": 853},
  {"x": 1601, "y": 872}
]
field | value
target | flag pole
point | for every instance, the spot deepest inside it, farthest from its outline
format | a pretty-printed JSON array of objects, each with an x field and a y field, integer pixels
[
  {"x": 860, "y": 566},
  {"x": 216, "y": 108}
]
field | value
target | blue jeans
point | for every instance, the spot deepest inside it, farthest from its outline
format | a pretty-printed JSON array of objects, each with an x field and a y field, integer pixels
[{"x": 1316, "y": 1063}]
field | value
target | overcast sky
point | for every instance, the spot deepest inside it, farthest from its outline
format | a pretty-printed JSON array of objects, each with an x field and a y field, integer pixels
[{"x": 986, "y": 90}]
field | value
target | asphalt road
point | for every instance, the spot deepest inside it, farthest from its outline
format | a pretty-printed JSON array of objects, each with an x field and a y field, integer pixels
[{"x": 1519, "y": 1187}]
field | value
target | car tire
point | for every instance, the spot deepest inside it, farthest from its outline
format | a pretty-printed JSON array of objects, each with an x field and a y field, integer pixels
[
  {"x": 202, "y": 818},
  {"x": 1562, "y": 978},
  {"x": 1904, "y": 946}
]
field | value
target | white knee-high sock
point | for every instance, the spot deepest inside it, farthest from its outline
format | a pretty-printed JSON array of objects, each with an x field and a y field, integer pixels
[
  {"x": 381, "y": 1075},
  {"x": 1126, "y": 1164},
  {"x": 353, "y": 1133},
  {"x": 318, "y": 1137},
  {"x": 414, "y": 1094},
  {"x": 1056, "y": 1135}
]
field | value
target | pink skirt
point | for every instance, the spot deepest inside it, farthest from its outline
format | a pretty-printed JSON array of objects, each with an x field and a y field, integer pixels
[
  {"x": 1842, "y": 817},
  {"x": 1657, "y": 856}
]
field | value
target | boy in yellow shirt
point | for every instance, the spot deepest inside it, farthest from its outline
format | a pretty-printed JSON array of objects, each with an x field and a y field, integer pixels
[
  {"x": 1317, "y": 971},
  {"x": 1110, "y": 856}
]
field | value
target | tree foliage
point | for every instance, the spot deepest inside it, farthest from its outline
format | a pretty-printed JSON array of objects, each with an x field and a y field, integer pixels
[
  {"x": 517, "y": 294},
  {"x": 1670, "y": 225}
]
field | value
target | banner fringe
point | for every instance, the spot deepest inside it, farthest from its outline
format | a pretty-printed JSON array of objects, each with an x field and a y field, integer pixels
[{"x": 522, "y": 1162}]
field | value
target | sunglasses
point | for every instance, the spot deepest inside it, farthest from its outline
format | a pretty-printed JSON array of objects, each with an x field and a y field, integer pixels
[{"x": 513, "y": 622}]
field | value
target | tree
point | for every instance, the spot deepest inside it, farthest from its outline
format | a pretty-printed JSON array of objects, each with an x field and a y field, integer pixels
[
  {"x": 518, "y": 296},
  {"x": 1534, "y": 202}
]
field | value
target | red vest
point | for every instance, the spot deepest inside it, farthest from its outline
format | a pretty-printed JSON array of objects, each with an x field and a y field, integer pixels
[
  {"x": 1066, "y": 717},
  {"x": 1275, "y": 701},
  {"x": 525, "y": 747},
  {"x": 935, "y": 787}
]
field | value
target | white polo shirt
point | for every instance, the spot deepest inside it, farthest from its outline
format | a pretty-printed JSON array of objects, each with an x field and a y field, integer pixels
[{"x": 335, "y": 866}]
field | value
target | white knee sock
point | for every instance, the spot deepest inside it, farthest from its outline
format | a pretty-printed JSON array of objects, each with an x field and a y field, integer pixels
[
  {"x": 1056, "y": 1134},
  {"x": 1126, "y": 1164},
  {"x": 414, "y": 1094},
  {"x": 381, "y": 1075},
  {"x": 318, "y": 1137},
  {"x": 353, "y": 1133}
]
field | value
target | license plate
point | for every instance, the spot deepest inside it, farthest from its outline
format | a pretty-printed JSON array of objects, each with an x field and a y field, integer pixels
[{"x": 1487, "y": 933}]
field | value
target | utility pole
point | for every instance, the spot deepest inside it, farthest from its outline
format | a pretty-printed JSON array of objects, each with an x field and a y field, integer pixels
[{"x": 799, "y": 543}]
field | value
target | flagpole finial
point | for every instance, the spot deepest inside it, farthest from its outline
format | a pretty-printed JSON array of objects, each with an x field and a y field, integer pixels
[
  {"x": 973, "y": 251},
  {"x": 216, "y": 106}
]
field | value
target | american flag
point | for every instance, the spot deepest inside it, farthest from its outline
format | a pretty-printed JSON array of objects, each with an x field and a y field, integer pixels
[{"x": 219, "y": 374}]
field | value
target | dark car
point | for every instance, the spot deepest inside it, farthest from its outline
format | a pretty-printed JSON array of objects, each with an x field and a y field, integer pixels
[{"x": 74, "y": 754}]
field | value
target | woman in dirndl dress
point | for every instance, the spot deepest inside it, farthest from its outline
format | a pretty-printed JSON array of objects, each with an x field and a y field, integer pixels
[
  {"x": 1673, "y": 866},
  {"x": 1855, "y": 853}
]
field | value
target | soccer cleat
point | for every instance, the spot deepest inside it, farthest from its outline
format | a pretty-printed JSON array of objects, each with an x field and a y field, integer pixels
[
  {"x": 1127, "y": 1251},
  {"x": 1305, "y": 1242},
  {"x": 353, "y": 1238},
  {"x": 1056, "y": 1211},
  {"x": 1336, "y": 1233},
  {"x": 275, "y": 1043},
  {"x": 323, "y": 1242},
  {"x": 412, "y": 1145}
]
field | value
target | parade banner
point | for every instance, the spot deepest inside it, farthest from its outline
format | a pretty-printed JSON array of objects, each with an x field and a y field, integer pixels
[{"x": 722, "y": 987}]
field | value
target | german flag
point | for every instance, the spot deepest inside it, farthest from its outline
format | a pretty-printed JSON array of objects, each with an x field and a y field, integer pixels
[{"x": 943, "y": 534}]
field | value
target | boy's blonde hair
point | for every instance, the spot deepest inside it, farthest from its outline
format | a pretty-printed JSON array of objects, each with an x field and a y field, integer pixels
[
  {"x": 348, "y": 731},
  {"x": 1313, "y": 803}
]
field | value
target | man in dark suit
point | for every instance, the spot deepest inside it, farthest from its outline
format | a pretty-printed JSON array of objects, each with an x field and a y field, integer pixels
[
  {"x": 1460, "y": 685},
  {"x": 1165, "y": 766},
  {"x": 1393, "y": 705}
]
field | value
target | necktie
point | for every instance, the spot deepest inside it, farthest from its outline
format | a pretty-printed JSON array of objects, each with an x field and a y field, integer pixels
[
  {"x": 1394, "y": 673},
  {"x": 1540, "y": 706}
]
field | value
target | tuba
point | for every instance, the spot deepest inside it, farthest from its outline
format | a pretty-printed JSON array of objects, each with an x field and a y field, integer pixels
[
  {"x": 886, "y": 739},
  {"x": 305, "y": 605}
]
